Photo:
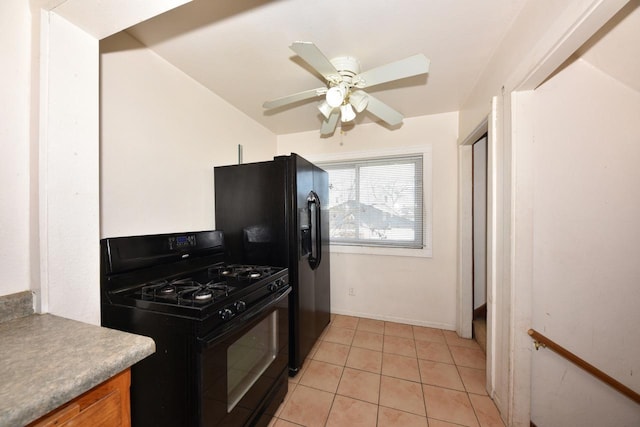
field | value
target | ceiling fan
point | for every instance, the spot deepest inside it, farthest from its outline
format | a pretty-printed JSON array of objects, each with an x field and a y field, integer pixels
[{"x": 343, "y": 93}]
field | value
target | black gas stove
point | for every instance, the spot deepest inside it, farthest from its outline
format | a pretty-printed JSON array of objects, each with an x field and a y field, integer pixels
[{"x": 208, "y": 318}]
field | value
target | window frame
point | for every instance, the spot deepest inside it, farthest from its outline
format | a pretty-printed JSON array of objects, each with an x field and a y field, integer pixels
[{"x": 425, "y": 151}]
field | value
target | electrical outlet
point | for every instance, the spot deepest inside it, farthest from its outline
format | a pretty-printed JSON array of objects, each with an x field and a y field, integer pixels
[{"x": 352, "y": 292}]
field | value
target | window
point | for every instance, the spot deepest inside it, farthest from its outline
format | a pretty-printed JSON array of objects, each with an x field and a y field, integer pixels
[{"x": 377, "y": 201}]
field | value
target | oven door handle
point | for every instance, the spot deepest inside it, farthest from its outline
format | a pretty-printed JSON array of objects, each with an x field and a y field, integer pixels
[{"x": 239, "y": 322}]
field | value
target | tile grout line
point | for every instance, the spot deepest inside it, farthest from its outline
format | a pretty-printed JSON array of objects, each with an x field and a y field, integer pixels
[
  {"x": 424, "y": 400},
  {"x": 464, "y": 386},
  {"x": 341, "y": 375}
]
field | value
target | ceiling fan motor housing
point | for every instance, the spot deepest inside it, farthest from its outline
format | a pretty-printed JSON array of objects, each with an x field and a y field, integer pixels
[
  {"x": 347, "y": 66},
  {"x": 340, "y": 87}
]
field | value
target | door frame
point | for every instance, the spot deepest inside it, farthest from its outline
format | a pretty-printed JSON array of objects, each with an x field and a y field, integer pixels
[{"x": 465, "y": 238}]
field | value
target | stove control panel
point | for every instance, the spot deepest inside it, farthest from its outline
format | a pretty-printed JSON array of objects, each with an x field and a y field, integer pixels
[
  {"x": 278, "y": 283},
  {"x": 182, "y": 242},
  {"x": 226, "y": 314},
  {"x": 241, "y": 305}
]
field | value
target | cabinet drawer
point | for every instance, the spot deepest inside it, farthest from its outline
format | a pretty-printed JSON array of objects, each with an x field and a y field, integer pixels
[
  {"x": 105, "y": 412},
  {"x": 106, "y": 405},
  {"x": 57, "y": 417}
]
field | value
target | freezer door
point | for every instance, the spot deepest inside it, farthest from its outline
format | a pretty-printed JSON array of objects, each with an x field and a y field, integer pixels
[
  {"x": 312, "y": 297},
  {"x": 322, "y": 270},
  {"x": 251, "y": 210}
]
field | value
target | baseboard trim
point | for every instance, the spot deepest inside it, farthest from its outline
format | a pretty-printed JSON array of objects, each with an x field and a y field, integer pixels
[{"x": 414, "y": 322}]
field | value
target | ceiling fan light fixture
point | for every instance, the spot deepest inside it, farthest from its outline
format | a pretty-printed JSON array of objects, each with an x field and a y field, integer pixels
[
  {"x": 335, "y": 96},
  {"x": 325, "y": 109},
  {"x": 346, "y": 113},
  {"x": 359, "y": 100}
]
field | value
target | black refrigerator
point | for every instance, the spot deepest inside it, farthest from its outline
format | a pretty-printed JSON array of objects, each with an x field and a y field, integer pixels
[{"x": 275, "y": 213}]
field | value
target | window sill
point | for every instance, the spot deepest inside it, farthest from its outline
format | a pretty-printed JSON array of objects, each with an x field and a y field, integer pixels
[{"x": 372, "y": 250}]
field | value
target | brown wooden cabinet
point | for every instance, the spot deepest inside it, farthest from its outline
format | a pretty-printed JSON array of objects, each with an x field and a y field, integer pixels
[{"x": 106, "y": 405}]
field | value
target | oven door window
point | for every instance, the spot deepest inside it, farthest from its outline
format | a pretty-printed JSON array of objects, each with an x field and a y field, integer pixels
[{"x": 249, "y": 356}]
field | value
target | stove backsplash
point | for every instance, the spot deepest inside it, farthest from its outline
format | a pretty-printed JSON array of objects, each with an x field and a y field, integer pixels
[{"x": 14, "y": 306}]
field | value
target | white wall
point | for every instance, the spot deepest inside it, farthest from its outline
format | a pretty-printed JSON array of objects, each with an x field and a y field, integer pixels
[
  {"x": 415, "y": 290},
  {"x": 161, "y": 135},
  {"x": 49, "y": 136},
  {"x": 15, "y": 80},
  {"x": 68, "y": 173},
  {"x": 586, "y": 273}
]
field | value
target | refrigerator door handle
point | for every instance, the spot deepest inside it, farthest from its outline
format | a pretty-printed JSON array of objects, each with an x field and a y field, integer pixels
[{"x": 313, "y": 205}]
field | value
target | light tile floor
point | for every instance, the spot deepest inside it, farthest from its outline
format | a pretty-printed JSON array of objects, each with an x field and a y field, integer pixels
[{"x": 365, "y": 372}]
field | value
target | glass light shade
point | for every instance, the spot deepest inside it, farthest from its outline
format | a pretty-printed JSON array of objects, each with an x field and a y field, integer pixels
[
  {"x": 347, "y": 113},
  {"x": 325, "y": 109},
  {"x": 335, "y": 96},
  {"x": 359, "y": 100}
]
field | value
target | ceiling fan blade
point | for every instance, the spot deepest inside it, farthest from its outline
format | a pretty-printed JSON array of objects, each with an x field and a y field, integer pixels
[
  {"x": 329, "y": 125},
  {"x": 290, "y": 99},
  {"x": 314, "y": 57},
  {"x": 408, "y": 67},
  {"x": 384, "y": 112}
]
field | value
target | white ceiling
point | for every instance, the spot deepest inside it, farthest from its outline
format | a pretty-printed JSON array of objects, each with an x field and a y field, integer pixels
[{"x": 240, "y": 49}]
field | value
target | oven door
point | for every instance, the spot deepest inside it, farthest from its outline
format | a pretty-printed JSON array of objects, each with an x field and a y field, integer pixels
[{"x": 242, "y": 369}]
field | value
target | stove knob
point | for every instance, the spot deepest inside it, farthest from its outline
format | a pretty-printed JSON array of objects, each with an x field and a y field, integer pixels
[
  {"x": 272, "y": 287},
  {"x": 240, "y": 306},
  {"x": 226, "y": 314}
]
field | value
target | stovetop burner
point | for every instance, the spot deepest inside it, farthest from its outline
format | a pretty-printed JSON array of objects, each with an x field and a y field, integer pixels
[
  {"x": 185, "y": 291},
  {"x": 205, "y": 287},
  {"x": 242, "y": 272}
]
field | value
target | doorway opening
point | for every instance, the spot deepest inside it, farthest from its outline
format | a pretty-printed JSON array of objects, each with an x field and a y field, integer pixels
[{"x": 479, "y": 241}]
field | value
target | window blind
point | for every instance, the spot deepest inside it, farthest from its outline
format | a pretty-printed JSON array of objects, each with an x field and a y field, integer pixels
[{"x": 376, "y": 201}]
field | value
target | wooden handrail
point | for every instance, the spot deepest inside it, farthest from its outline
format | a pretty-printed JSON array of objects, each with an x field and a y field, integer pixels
[{"x": 542, "y": 341}]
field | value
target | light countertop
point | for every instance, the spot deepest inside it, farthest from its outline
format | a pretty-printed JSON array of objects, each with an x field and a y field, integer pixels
[{"x": 46, "y": 360}]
